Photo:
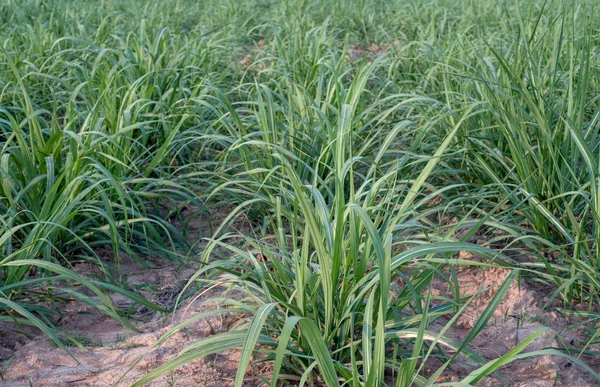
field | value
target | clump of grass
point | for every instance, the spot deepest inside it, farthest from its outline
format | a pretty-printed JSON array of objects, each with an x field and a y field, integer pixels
[
  {"x": 540, "y": 148},
  {"x": 72, "y": 180},
  {"x": 339, "y": 225}
]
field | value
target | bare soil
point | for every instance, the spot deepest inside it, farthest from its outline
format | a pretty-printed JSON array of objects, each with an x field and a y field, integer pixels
[
  {"x": 111, "y": 349},
  {"x": 518, "y": 316}
]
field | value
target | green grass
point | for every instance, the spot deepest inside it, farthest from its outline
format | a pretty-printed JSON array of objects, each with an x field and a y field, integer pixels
[{"x": 348, "y": 133}]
